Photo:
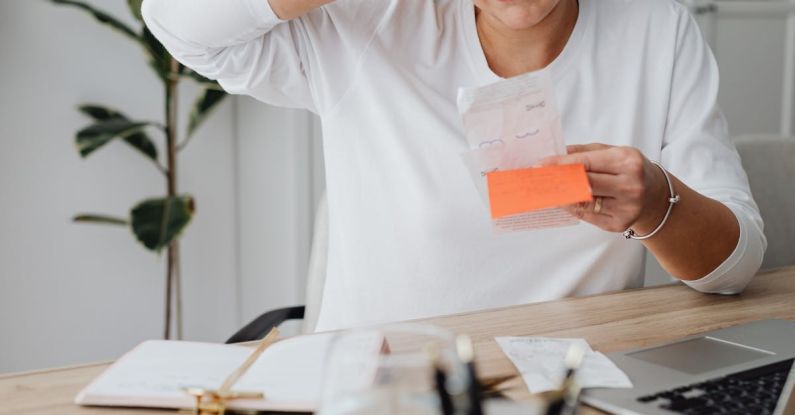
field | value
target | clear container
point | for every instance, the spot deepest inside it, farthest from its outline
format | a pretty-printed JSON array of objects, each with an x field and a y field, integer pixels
[{"x": 389, "y": 371}]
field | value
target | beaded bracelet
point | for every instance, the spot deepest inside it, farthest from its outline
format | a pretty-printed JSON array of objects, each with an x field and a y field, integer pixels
[{"x": 672, "y": 200}]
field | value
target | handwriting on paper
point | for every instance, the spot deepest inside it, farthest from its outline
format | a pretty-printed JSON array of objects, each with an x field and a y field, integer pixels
[
  {"x": 512, "y": 192},
  {"x": 540, "y": 362}
]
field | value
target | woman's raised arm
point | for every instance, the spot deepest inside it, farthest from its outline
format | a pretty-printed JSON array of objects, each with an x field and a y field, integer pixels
[{"x": 268, "y": 50}]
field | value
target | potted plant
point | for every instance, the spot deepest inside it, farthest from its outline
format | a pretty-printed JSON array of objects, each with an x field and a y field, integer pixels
[{"x": 159, "y": 221}]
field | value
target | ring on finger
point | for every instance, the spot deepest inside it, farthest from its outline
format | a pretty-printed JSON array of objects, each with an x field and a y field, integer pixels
[{"x": 597, "y": 205}]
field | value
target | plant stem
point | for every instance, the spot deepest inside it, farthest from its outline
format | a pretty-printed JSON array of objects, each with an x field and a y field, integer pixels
[
  {"x": 178, "y": 288},
  {"x": 171, "y": 179},
  {"x": 171, "y": 132},
  {"x": 167, "y": 328}
]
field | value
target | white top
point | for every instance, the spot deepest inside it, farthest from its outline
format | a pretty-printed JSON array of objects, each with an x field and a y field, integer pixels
[{"x": 409, "y": 236}]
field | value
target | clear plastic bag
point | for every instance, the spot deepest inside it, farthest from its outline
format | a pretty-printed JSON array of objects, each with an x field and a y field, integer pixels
[{"x": 513, "y": 124}]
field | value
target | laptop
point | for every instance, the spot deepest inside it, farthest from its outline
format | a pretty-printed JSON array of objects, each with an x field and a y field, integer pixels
[{"x": 747, "y": 369}]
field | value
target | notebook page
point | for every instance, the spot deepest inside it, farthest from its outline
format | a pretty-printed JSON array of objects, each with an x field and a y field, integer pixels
[
  {"x": 153, "y": 374},
  {"x": 290, "y": 374}
]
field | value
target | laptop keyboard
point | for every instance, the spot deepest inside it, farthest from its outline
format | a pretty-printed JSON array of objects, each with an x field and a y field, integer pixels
[{"x": 754, "y": 391}]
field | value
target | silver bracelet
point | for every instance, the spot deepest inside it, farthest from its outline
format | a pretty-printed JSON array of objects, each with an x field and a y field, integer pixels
[{"x": 673, "y": 199}]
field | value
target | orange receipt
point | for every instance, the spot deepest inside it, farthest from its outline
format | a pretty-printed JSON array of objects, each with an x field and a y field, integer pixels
[{"x": 525, "y": 190}]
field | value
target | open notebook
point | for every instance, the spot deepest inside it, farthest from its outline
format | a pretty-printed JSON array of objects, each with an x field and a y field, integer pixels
[{"x": 153, "y": 374}]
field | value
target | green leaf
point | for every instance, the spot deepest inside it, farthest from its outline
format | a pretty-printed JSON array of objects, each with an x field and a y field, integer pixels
[
  {"x": 207, "y": 101},
  {"x": 100, "y": 219},
  {"x": 103, "y": 17},
  {"x": 158, "y": 56},
  {"x": 100, "y": 113},
  {"x": 138, "y": 140},
  {"x": 94, "y": 137},
  {"x": 157, "y": 222},
  {"x": 141, "y": 142},
  {"x": 135, "y": 8},
  {"x": 199, "y": 77}
]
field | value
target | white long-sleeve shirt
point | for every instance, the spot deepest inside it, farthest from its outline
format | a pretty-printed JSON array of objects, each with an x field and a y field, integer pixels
[{"x": 409, "y": 236}]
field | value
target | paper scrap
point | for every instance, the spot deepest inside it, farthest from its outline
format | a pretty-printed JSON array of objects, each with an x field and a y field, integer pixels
[
  {"x": 513, "y": 124},
  {"x": 526, "y": 190},
  {"x": 540, "y": 362}
]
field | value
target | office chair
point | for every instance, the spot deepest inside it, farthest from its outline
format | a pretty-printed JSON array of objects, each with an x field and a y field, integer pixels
[
  {"x": 316, "y": 278},
  {"x": 770, "y": 164}
]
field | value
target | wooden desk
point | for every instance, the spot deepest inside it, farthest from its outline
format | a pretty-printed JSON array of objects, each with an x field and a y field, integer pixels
[{"x": 609, "y": 322}]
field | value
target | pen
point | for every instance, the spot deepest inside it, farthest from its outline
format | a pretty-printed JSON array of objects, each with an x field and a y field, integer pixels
[
  {"x": 564, "y": 401},
  {"x": 467, "y": 355},
  {"x": 440, "y": 382},
  {"x": 240, "y": 371},
  {"x": 445, "y": 401},
  {"x": 571, "y": 391}
]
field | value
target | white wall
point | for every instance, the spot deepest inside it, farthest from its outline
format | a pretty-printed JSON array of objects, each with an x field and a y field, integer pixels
[
  {"x": 92, "y": 292},
  {"x": 76, "y": 293},
  {"x": 754, "y": 43}
]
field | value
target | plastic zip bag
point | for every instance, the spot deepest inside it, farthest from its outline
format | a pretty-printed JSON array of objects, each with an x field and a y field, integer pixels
[{"x": 513, "y": 124}]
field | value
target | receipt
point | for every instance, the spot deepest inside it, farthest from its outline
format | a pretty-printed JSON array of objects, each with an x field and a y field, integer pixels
[
  {"x": 540, "y": 361},
  {"x": 513, "y": 124}
]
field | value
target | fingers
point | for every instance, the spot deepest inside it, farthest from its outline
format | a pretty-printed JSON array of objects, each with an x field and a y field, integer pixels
[
  {"x": 597, "y": 161},
  {"x": 617, "y": 176},
  {"x": 581, "y": 148},
  {"x": 615, "y": 214},
  {"x": 585, "y": 212},
  {"x": 605, "y": 184},
  {"x": 576, "y": 148},
  {"x": 612, "y": 160},
  {"x": 604, "y": 219}
]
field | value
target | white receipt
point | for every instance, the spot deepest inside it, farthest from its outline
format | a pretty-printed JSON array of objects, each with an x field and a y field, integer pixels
[
  {"x": 513, "y": 124},
  {"x": 540, "y": 362}
]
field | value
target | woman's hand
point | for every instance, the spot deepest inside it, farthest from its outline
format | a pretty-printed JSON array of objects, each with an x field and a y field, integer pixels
[{"x": 629, "y": 191}]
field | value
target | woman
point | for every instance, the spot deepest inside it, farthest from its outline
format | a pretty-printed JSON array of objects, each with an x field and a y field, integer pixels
[{"x": 409, "y": 236}]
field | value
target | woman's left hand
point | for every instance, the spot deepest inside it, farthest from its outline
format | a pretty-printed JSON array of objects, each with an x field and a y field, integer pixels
[{"x": 629, "y": 191}]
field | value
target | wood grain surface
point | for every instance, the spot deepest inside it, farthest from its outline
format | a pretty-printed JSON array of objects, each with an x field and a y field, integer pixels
[{"x": 610, "y": 322}]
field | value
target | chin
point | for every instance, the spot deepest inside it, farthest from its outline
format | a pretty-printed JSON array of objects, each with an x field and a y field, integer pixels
[{"x": 517, "y": 14}]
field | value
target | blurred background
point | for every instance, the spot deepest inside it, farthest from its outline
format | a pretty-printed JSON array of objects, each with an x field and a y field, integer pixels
[{"x": 74, "y": 293}]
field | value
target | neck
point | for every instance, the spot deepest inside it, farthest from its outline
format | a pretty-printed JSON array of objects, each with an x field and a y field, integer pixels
[{"x": 512, "y": 52}]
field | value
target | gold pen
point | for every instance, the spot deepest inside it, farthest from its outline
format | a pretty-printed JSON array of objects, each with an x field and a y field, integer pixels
[{"x": 213, "y": 402}]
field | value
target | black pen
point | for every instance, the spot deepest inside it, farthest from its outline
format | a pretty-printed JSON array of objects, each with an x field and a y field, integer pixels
[
  {"x": 565, "y": 400},
  {"x": 440, "y": 377},
  {"x": 440, "y": 381},
  {"x": 466, "y": 354}
]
